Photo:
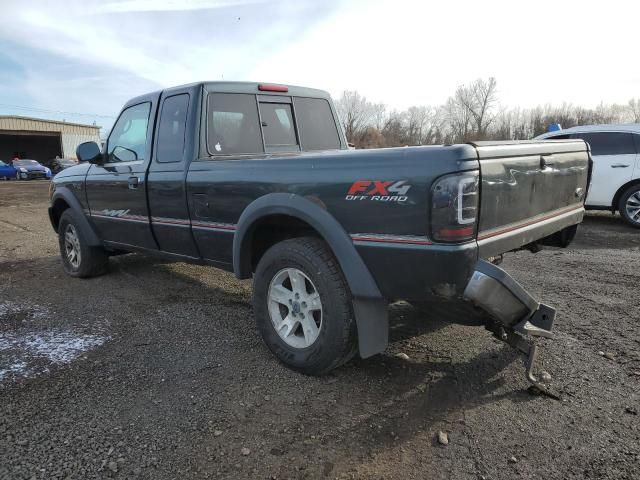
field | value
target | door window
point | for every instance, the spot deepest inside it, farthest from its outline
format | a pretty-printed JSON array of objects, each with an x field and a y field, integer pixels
[
  {"x": 609, "y": 143},
  {"x": 171, "y": 129},
  {"x": 233, "y": 126},
  {"x": 128, "y": 139}
]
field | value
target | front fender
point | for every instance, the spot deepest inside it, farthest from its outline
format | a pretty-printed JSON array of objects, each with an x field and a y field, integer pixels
[
  {"x": 370, "y": 308},
  {"x": 64, "y": 194}
]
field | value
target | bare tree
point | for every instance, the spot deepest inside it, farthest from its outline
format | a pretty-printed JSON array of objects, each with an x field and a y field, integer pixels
[
  {"x": 458, "y": 119},
  {"x": 479, "y": 99},
  {"x": 378, "y": 115},
  {"x": 394, "y": 129},
  {"x": 472, "y": 113},
  {"x": 634, "y": 109},
  {"x": 355, "y": 113}
]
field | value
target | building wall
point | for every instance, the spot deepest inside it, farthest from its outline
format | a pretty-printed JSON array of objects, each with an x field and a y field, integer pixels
[
  {"x": 71, "y": 141},
  {"x": 71, "y": 134}
]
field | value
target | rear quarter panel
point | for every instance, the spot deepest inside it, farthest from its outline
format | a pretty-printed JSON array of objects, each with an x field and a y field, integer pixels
[
  {"x": 326, "y": 179},
  {"x": 220, "y": 189}
]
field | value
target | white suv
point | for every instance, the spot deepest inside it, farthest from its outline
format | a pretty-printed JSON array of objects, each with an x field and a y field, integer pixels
[{"x": 615, "y": 181}]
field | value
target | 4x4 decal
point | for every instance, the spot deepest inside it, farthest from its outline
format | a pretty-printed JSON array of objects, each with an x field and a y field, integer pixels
[
  {"x": 113, "y": 213},
  {"x": 378, "y": 190}
]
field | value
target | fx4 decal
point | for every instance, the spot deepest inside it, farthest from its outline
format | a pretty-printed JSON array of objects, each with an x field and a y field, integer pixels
[{"x": 378, "y": 190}]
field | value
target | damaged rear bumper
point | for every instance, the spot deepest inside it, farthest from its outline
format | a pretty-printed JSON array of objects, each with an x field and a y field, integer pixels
[{"x": 516, "y": 316}]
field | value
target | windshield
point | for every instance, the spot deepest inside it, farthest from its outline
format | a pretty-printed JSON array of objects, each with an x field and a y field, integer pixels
[{"x": 25, "y": 163}]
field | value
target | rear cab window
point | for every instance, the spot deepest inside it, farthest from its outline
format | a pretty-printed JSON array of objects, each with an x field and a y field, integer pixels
[
  {"x": 318, "y": 129},
  {"x": 276, "y": 118},
  {"x": 245, "y": 124},
  {"x": 233, "y": 126}
]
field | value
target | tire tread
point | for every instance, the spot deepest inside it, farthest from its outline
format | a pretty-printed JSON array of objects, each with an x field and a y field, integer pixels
[{"x": 313, "y": 247}]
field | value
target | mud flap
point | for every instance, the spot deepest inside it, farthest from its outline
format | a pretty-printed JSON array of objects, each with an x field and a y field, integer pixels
[{"x": 516, "y": 317}]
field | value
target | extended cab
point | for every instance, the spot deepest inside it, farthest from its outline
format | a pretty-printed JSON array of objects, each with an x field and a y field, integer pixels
[{"x": 258, "y": 179}]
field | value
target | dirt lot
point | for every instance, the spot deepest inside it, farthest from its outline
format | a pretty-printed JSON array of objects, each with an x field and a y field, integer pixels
[{"x": 156, "y": 371}]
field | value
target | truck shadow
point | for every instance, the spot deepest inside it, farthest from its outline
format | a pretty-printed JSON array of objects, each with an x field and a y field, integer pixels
[{"x": 428, "y": 388}]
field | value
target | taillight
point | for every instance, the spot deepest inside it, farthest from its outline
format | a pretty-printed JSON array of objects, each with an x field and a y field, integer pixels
[{"x": 454, "y": 207}]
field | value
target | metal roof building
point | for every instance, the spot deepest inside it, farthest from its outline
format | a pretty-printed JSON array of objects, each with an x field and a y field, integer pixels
[{"x": 42, "y": 140}]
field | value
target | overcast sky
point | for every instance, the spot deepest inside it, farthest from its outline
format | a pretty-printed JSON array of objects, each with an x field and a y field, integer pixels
[{"x": 90, "y": 56}]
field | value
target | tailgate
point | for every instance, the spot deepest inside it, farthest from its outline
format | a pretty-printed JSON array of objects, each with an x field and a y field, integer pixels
[{"x": 529, "y": 190}]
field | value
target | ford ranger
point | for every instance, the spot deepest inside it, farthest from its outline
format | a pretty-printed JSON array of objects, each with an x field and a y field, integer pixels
[{"x": 258, "y": 179}]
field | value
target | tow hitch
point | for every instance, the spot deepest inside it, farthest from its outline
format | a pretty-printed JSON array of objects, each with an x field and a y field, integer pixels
[{"x": 516, "y": 317}]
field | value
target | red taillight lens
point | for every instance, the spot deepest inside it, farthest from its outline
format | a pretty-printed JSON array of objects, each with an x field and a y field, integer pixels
[
  {"x": 454, "y": 207},
  {"x": 268, "y": 87},
  {"x": 452, "y": 233}
]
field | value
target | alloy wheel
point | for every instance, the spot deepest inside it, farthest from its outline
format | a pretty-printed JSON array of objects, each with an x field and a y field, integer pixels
[
  {"x": 295, "y": 308},
  {"x": 633, "y": 207},
  {"x": 72, "y": 246}
]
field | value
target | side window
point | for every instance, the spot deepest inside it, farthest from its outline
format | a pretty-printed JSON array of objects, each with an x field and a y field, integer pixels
[
  {"x": 171, "y": 129},
  {"x": 128, "y": 139},
  {"x": 277, "y": 127},
  {"x": 316, "y": 124},
  {"x": 559, "y": 137},
  {"x": 232, "y": 124},
  {"x": 609, "y": 143}
]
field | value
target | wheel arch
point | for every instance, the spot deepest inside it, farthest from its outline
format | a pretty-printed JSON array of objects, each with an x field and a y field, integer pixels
[
  {"x": 62, "y": 200},
  {"x": 370, "y": 308},
  {"x": 621, "y": 190}
]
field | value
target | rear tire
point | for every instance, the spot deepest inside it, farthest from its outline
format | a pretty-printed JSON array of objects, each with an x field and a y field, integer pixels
[
  {"x": 629, "y": 206},
  {"x": 78, "y": 258},
  {"x": 299, "y": 281}
]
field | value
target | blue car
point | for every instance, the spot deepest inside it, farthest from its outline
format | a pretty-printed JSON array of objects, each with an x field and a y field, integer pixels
[
  {"x": 7, "y": 171},
  {"x": 30, "y": 169}
]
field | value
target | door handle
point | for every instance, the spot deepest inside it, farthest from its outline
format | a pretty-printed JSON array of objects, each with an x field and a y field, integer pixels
[
  {"x": 619, "y": 165},
  {"x": 133, "y": 182}
]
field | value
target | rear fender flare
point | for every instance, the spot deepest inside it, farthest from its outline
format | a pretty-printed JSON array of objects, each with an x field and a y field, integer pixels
[
  {"x": 63, "y": 193},
  {"x": 370, "y": 308}
]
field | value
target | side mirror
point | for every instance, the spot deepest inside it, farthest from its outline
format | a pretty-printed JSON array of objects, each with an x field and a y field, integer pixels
[{"x": 89, "y": 152}]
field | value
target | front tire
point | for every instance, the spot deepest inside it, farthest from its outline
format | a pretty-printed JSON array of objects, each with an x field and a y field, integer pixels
[
  {"x": 78, "y": 258},
  {"x": 303, "y": 308},
  {"x": 629, "y": 206}
]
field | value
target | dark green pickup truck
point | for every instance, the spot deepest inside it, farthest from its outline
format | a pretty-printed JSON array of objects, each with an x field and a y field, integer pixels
[{"x": 258, "y": 179}]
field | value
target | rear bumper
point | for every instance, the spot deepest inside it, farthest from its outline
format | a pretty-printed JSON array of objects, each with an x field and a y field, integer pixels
[
  {"x": 494, "y": 291},
  {"x": 515, "y": 317}
]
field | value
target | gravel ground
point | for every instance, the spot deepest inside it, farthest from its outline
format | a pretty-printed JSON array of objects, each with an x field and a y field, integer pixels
[{"x": 156, "y": 371}]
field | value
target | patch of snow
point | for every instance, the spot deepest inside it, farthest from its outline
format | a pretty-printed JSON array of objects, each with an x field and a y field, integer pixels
[
  {"x": 29, "y": 353},
  {"x": 16, "y": 369},
  {"x": 54, "y": 347}
]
